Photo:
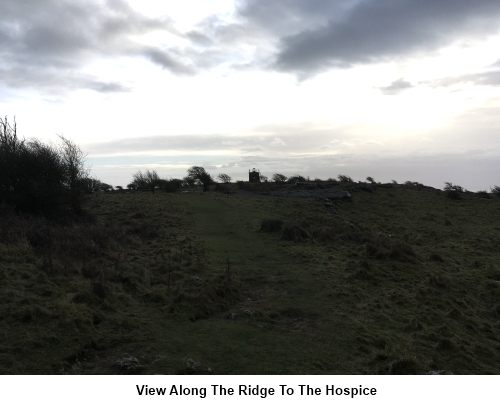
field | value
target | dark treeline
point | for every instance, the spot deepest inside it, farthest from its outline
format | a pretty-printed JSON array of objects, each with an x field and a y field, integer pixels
[
  {"x": 41, "y": 179},
  {"x": 150, "y": 180}
]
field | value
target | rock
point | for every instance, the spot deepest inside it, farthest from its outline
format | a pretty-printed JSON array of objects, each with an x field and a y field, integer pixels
[
  {"x": 128, "y": 363},
  {"x": 192, "y": 365},
  {"x": 197, "y": 280}
]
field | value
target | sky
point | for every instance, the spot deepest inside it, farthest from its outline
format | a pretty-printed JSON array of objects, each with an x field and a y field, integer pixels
[{"x": 405, "y": 90}]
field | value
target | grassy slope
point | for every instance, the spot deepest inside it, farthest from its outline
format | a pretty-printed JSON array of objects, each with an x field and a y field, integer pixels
[{"x": 334, "y": 303}]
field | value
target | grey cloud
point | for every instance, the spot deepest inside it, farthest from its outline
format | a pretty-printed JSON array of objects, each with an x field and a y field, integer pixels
[
  {"x": 51, "y": 80},
  {"x": 199, "y": 38},
  {"x": 319, "y": 35},
  {"x": 288, "y": 17},
  {"x": 298, "y": 138},
  {"x": 166, "y": 60},
  {"x": 51, "y": 39},
  {"x": 110, "y": 87},
  {"x": 396, "y": 87},
  {"x": 490, "y": 78}
]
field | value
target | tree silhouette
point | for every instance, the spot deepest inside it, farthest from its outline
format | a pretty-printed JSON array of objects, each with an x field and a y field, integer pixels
[
  {"x": 199, "y": 173},
  {"x": 225, "y": 178},
  {"x": 279, "y": 178},
  {"x": 344, "y": 179},
  {"x": 295, "y": 178},
  {"x": 148, "y": 180}
]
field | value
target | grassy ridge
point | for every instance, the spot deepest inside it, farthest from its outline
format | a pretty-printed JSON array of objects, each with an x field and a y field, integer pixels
[{"x": 397, "y": 281}]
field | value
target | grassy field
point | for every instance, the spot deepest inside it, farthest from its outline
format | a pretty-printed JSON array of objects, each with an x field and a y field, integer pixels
[{"x": 401, "y": 280}]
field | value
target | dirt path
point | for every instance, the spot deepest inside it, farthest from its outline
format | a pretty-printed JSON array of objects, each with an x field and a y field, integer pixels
[{"x": 288, "y": 323}]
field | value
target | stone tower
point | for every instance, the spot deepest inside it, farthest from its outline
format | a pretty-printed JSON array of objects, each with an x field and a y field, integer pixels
[{"x": 253, "y": 176}]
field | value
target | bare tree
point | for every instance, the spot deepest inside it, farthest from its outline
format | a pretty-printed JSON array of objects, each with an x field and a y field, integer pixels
[
  {"x": 73, "y": 161},
  {"x": 225, "y": 178},
  {"x": 147, "y": 180},
  {"x": 295, "y": 178}
]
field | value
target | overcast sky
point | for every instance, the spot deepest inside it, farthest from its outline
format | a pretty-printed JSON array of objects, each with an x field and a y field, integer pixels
[{"x": 403, "y": 90}]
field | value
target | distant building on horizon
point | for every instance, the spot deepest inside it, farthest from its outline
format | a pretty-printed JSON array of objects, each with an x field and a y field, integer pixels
[{"x": 253, "y": 176}]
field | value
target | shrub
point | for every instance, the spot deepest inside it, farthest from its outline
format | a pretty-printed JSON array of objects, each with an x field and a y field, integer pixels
[
  {"x": 279, "y": 178},
  {"x": 38, "y": 178},
  {"x": 496, "y": 190},
  {"x": 344, "y": 179},
  {"x": 169, "y": 186},
  {"x": 453, "y": 192},
  {"x": 148, "y": 180},
  {"x": 451, "y": 187},
  {"x": 295, "y": 178}
]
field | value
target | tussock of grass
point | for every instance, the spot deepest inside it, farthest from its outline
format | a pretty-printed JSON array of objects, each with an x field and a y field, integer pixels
[
  {"x": 271, "y": 225},
  {"x": 293, "y": 232},
  {"x": 382, "y": 248}
]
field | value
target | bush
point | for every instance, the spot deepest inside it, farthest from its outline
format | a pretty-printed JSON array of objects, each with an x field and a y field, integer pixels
[
  {"x": 279, "y": 178},
  {"x": 148, "y": 180},
  {"x": 453, "y": 192},
  {"x": 40, "y": 179},
  {"x": 295, "y": 178},
  {"x": 344, "y": 179},
  {"x": 496, "y": 190},
  {"x": 451, "y": 187}
]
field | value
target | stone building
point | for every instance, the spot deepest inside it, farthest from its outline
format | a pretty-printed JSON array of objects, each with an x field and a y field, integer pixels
[{"x": 253, "y": 176}]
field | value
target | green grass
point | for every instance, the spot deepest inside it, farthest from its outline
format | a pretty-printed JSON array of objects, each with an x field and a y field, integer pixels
[{"x": 398, "y": 281}]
